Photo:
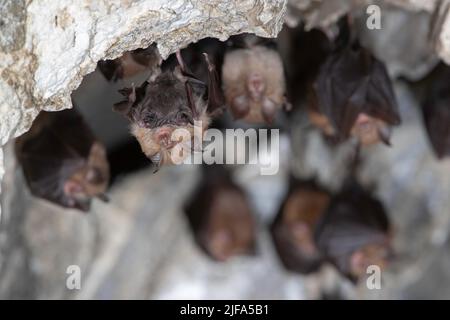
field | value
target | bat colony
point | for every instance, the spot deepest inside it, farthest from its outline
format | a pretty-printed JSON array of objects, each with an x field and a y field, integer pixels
[{"x": 345, "y": 91}]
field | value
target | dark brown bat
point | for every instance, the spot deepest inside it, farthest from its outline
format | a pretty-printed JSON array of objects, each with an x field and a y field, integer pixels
[
  {"x": 293, "y": 228},
  {"x": 220, "y": 216},
  {"x": 354, "y": 231},
  {"x": 253, "y": 79},
  {"x": 62, "y": 161},
  {"x": 353, "y": 95},
  {"x": 305, "y": 51},
  {"x": 169, "y": 101},
  {"x": 131, "y": 63},
  {"x": 436, "y": 111}
]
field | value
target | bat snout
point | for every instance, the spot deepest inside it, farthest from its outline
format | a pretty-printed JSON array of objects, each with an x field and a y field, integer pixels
[
  {"x": 164, "y": 136},
  {"x": 256, "y": 86}
]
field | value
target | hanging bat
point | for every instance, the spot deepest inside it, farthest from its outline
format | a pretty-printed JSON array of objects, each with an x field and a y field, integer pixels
[
  {"x": 304, "y": 54},
  {"x": 220, "y": 216},
  {"x": 353, "y": 94},
  {"x": 253, "y": 79},
  {"x": 436, "y": 111},
  {"x": 353, "y": 233},
  {"x": 131, "y": 63},
  {"x": 62, "y": 161},
  {"x": 169, "y": 101},
  {"x": 293, "y": 228}
]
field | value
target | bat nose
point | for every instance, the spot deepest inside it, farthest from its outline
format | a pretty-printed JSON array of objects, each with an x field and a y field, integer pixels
[
  {"x": 255, "y": 85},
  {"x": 163, "y": 136}
]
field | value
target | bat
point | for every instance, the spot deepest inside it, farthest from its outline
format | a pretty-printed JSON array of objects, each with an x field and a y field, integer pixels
[
  {"x": 305, "y": 52},
  {"x": 436, "y": 111},
  {"x": 62, "y": 161},
  {"x": 131, "y": 63},
  {"x": 167, "y": 101},
  {"x": 220, "y": 216},
  {"x": 353, "y": 94},
  {"x": 293, "y": 228},
  {"x": 353, "y": 232},
  {"x": 253, "y": 79}
]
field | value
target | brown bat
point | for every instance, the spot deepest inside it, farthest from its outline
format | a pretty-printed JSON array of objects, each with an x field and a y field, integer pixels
[
  {"x": 353, "y": 95},
  {"x": 131, "y": 63},
  {"x": 353, "y": 233},
  {"x": 305, "y": 53},
  {"x": 62, "y": 161},
  {"x": 253, "y": 79},
  {"x": 436, "y": 111},
  {"x": 293, "y": 228},
  {"x": 169, "y": 101},
  {"x": 220, "y": 216}
]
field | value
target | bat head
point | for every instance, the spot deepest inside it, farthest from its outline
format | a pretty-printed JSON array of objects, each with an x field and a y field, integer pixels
[
  {"x": 353, "y": 232},
  {"x": 159, "y": 102},
  {"x": 158, "y": 108},
  {"x": 253, "y": 83},
  {"x": 90, "y": 180},
  {"x": 230, "y": 227}
]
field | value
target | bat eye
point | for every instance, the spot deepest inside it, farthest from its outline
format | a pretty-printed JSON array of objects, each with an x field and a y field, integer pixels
[{"x": 184, "y": 117}]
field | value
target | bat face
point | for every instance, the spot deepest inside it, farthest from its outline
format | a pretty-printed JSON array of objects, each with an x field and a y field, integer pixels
[
  {"x": 253, "y": 83},
  {"x": 354, "y": 92},
  {"x": 370, "y": 130},
  {"x": 436, "y": 112},
  {"x": 90, "y": 180},
  {"x": 166, "y": 102},
  {"x": 131, "y": 63},
  {"x": 293, "y": 229},
  {"x": 221, "y": 218},
  {"x": 354, "y": 233},
  {"x": 62, "y": 161}
]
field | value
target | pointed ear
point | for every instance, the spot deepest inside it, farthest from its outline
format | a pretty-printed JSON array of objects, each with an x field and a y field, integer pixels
[{"x": 216, "y": 100}]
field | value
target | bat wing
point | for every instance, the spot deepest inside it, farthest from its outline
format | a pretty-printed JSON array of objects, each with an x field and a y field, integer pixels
[
  {"x": 49, "y": 156},
  {"x": 381, "y": 101},
  {"x": 350, "y": 82},
  {"x": 436, "y": 112},
  {"x": 216, "y": 100},
  {"x": 437, "y": 123}
]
